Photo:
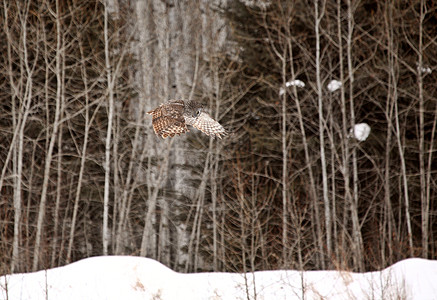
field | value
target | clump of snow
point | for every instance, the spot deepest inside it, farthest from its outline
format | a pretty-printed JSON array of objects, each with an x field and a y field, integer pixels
[
  {"x": 334, "y": 85},
  {"x": 424, "y": 70},
  {"x": 360, "y": 131},
  {"x": 296, "y": 82},
  {"x": 124, "y": 277}
]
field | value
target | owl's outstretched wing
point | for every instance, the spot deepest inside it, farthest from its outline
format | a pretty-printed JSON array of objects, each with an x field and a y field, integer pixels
[
  {"x": 168, "y": 119},
  {"x": 207, "y": 125}
]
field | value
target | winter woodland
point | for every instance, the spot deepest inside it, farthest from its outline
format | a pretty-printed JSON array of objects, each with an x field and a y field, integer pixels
[{"x": 330, "y": 163}]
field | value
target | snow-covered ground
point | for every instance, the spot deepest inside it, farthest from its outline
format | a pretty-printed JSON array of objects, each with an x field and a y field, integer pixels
[{"x": 124, "y": 277}]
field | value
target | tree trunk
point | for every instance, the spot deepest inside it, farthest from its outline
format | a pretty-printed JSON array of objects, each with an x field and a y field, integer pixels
[
  {"x": 48, "y": 159},
  {"x": 107, "y": 166},
  {"x": 322, "y": 122}
]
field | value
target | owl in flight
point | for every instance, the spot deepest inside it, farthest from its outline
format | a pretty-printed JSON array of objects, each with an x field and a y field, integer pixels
[{"x": 172, "y": 117}]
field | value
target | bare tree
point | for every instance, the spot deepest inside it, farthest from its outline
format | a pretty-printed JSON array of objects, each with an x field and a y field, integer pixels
[
  {"x": 53, "y": 135},
  {"x": 393, "y": 65},
  {"x": 356, "y": 227},
  {"x": 424, "y": 172},
  {"x": 318, "y": 15},
  {"x": 19, "y": 117},
  {"x": 110, "y": 82},
  {"x": 83, "y": 152}
]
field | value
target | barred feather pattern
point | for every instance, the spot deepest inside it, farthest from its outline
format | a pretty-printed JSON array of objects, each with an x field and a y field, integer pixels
[
  {"x": 207, "y": 125},
  {"x": 168, "y": 119},
  {"x": 172, "y": 117}
]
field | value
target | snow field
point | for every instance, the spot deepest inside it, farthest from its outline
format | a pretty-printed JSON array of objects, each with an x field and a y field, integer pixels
[{"x": 125, "y": 277}]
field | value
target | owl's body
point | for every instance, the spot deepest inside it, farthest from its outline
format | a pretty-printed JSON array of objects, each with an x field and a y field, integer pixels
[{"x": 172, "y": 117}]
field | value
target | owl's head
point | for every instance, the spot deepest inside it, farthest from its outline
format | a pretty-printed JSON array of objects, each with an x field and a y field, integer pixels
[{"x": 193, "y": 109}]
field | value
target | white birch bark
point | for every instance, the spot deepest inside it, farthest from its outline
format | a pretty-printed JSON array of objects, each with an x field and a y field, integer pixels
[
  {"x": 394, "y": 94},
  {"x": 82, "y": 161},
  {"x": 356, "y": 228},
  {"x": 424, "y": 199},
  {"x": 322, "y": 121},
  {"x": 107, "y": 167},
  {"x": 19, "y": 119},
  {"x": 53, "y": 135}
]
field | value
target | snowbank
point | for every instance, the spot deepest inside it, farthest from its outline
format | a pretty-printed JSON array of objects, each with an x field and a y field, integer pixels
[{"x": 124, "y": 277}]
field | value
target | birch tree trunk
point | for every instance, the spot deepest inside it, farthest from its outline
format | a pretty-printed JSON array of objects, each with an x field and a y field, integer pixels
[
  {"x": 322, "y": 121},
  {"x": 83, "y": 155},
  {"x": 105, "y": 231},
  {"x": 393, "y": 90},
  {"x": 284, "y": 161},
  {"x": 308, "y": 163},
  {"x": 48, "y": 159},
  {"x": 425, "y": 203},
  {"x": 345, "y": 124},
  {"x": 19, "y": 119},
  {"x": 356, "y": 228},
  {"x": 388, "y": 223}
]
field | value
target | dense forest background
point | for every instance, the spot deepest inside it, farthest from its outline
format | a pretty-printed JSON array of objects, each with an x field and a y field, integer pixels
[{"x": 82, "y": 173}]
